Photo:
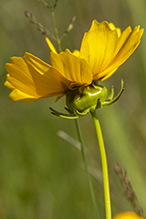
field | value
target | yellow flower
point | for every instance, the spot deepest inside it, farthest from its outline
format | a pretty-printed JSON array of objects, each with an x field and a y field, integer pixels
[
  {"x": 103, "y": 49},
  {"x": 127, "y": 215}
]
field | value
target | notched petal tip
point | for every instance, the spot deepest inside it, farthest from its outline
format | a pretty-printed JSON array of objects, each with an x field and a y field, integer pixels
[
  {"x": 105, "y": 24},
  {"x": 76, "y": 53},
  {"x": 141, "y": 32},
  {"x": 137, "y": 29}
]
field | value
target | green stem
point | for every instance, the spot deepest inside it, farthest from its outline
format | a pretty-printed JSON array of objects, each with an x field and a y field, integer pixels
[
  {"x": 87, "y": 169},
  {"x": 55, "y": 25},
  {"x": 56, "y": 30},
  {"x": 104, "y": 166}
]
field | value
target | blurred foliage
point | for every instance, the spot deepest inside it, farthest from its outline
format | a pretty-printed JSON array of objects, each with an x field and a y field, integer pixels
[{"x": 41, "y": 175}]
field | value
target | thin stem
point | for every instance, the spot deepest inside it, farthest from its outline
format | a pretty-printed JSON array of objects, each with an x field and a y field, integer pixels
[
  {"x": 104, "y": 166},
  {"x": 55, "y": 24},
  {"x": 56, "y": 30},
  {"x": 87, "y": 169}
]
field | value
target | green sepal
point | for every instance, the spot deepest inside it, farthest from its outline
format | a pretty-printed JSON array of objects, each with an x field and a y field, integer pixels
[
  {"x": 63, "y": 115},
  {"x": 77, "y": 113},
  {"x": 109, "y": 102},
  {"x": 111, "y": 94},
  {"x": 98, "y": 105}
]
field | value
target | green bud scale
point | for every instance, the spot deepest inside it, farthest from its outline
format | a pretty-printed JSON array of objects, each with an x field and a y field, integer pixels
[{"x": 86, "y": 98}]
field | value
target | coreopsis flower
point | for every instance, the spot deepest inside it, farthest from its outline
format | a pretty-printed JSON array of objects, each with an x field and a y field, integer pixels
[
  {"x": 127, "y": 215},
  {"x": 74, "y": 74}
]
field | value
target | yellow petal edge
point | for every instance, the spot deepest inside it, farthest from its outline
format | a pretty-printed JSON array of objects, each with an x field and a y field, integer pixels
[{"x": 127, "y": 215}]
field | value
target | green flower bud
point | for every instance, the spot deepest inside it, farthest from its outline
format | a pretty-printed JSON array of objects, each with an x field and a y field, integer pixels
[{"x": 86, "y": 98}]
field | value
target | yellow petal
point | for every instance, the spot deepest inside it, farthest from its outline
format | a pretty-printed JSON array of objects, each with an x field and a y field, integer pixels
[
  {"x": 8, "y": 85},
  {"x": 102, "y": 78},
  {"x": 40, "y": 66},
  {"x": 127, "y": 215},
  {"x": 76, "y": 53},
  {"x": 99, "y": 44},
  {"x": 74, "y": 69},
  {"x": 130, "y": 44},
  {"x": 17, "y": 95},
  {"x": 105, "y": 48},
  {"x": 27, "y": 80},
  {"x": 127, "y": 44},
  {"x": 122, "y": 39},
  {"x": 112, "y": 27},
  {"x": 51, "y": 46}
]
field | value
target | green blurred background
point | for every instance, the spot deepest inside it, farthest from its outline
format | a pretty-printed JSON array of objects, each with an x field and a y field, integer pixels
[{"x": 41, "y": 175}]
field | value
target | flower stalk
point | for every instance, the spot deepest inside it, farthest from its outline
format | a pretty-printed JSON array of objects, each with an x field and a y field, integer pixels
[
  {"x": 96, "y": 212},
  {"x": 87, "y": 169},
  {"x": 104, "y": 166}
]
